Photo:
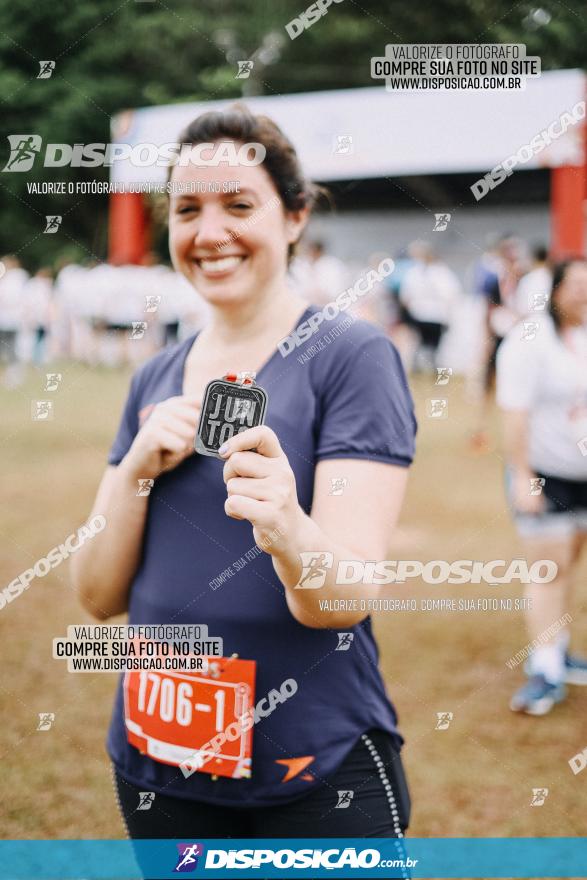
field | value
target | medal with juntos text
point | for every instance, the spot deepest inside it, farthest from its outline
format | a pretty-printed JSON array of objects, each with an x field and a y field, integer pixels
[{"x": 231, "y": 405}]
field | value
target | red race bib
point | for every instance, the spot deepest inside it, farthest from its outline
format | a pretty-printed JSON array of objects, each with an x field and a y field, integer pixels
[{"x": 174, "y": 716}]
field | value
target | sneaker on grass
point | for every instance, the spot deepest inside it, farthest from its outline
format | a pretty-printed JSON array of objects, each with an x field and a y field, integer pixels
[{"x": 537, "y": 696}]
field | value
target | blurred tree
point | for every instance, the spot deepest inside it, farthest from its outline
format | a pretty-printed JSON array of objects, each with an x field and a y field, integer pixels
[{"x": 110, "y": 56}]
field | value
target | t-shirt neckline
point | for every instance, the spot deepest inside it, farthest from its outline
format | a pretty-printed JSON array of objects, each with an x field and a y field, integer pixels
[{"x": 191, "y": 339}]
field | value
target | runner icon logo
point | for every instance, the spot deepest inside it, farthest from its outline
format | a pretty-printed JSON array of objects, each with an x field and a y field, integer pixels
[
  {"x": 338, "y": 485},
  {"x": 188, "y": 857},
  {"x": 53, "y": 222},
  {"x": 23, "y": 151},
  {"x": 441, "y": 222},
  {"x": 343, "y": 145},
  {"x": 538, "y": 302},
  {"x": 443, "y": 375},
  {"x": 529, "y": 331},
  {"x": 146, "y": 799},
  {"x": 444, "y": 719},
  {"x": 345, "y": 640},
  {"x": 539, "y": 795},
  {"x": 244, "y": 69},
  {"x": 314, "y": 567},
  {"x": 344, "y": 799},
  {"x": 52, "y": 381},
  {"x": 138, "y": 329},
  {"x": 46, "y": 68},
  {"x": 46, "y": 720},
  {"x": 41, "y": 410},
  {"x": 437, "y": 408}
]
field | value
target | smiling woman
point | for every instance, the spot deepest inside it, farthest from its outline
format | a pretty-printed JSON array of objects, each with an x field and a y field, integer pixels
[
  {"x": 231, "y": 225},
  {"x": 164, "y": 553}
]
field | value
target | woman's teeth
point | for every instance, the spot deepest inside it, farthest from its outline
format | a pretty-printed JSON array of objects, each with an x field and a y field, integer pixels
[{"x": 217, "y": 266}]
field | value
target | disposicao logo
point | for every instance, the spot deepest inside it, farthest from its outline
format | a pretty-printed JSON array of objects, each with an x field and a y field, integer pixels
[
  {"x": 188, "y": 857},
  {"x": 23, "y": 151},
  {"x": 25, "y": 147}
]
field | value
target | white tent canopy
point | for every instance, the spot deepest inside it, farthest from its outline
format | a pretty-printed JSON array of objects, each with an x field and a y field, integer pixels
[{"x": 393, "y": 134}]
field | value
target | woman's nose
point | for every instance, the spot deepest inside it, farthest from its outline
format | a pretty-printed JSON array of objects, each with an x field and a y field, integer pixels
[{"x": 210, "y": 227}]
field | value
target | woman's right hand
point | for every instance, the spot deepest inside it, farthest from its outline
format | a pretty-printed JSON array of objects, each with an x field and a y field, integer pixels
[
  {"x": 166, "y": 438},
  {"x": 522, "y": 500}
]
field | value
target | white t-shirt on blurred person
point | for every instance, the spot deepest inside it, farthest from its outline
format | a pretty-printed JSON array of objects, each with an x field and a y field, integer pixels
[
  {"x": 533, "y": 290},
  {"x": 430, "y": 292},
  {"x": 548, "y": 377},
  {"x": 319, "y": 281},
  {"x": 11, "y": 299},
  {"x": 37, "y": 302}
]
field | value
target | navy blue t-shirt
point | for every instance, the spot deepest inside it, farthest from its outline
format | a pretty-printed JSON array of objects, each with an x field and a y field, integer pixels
[{"x": 349, "y": 400}]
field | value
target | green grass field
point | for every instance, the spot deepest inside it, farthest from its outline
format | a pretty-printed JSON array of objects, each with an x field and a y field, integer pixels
[{"x": 474, "y": 779}]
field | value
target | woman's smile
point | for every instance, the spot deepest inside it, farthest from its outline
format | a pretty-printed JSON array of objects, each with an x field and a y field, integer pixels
[{"x": 219, "y": 266}]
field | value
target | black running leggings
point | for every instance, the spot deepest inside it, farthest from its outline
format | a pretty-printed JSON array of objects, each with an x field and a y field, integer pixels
[{"x": 379, "y": 805}]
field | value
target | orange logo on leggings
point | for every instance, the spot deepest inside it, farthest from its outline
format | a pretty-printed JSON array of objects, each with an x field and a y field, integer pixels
[{"x": 295, "y": 767}]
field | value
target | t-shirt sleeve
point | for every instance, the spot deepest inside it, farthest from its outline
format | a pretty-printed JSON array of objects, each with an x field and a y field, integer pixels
[
  {"x": 366, "y": 407},
  {"x": 516, "y": 371},
  {"x": 129, "y": 425}
]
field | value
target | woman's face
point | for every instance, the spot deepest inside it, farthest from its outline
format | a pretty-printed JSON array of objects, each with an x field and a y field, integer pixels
[
  {"x": 229, "y": 236},
  {"x": 571, "y": 297}
]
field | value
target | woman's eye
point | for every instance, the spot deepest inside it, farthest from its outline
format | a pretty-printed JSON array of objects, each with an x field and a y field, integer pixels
[
  {"x": 241, "y": 206},
  {"x": 187, "y": 209}
]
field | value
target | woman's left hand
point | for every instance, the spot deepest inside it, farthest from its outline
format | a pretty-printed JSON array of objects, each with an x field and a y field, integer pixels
[{"x": 261, "y": 488}]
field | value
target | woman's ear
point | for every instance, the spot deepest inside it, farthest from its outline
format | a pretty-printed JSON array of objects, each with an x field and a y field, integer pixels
[{"x": 295, "y": 223}]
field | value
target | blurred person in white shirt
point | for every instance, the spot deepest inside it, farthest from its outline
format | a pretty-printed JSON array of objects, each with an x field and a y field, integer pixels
[
  {"x": 12, "y": 284},
  {"x": 180, "y": 310},
  {"x": 542, "y": 392},
  {"x": 158, "y": 297},
  {"x": 500, "y": 289},
  {"x": 374, "y": 305},
  {"x": 76, "y": 307},
  {"x": 533, "y": 289},
  {"x": 430, "y": 292},
  {"x": 128, "y": 334},
  {"x": 318, "y": 276},
  {"x": 38, "y": 314},
  {"x": 161, "y": 300}
]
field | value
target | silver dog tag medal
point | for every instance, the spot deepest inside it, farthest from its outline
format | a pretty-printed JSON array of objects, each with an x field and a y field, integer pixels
[{"x": 231, "y": 405}]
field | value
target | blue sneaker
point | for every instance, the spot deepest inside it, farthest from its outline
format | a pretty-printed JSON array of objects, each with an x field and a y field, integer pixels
[
  {"x": 537, "y": 696},
  {"x": 575, "y": 669}
]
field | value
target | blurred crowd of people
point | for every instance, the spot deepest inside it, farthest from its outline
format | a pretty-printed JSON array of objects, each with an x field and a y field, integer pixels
[
  {"x": 104, "y": 314},
  {"x": 426, "y": 308},
  {"x": 95, "y": 313}
]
